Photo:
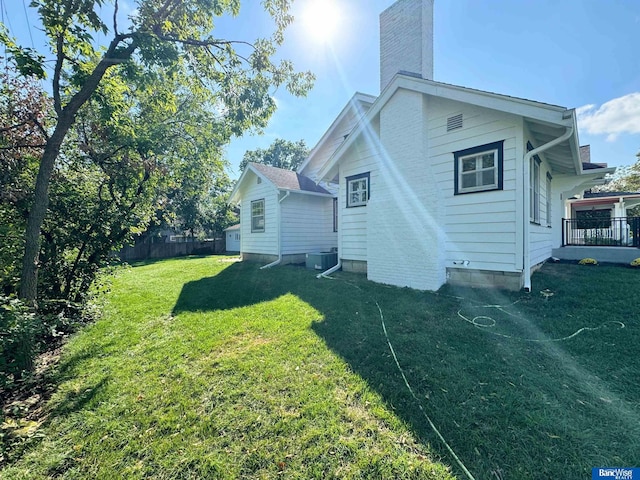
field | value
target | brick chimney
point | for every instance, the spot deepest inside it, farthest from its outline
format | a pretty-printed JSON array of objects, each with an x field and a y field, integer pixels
[{"x": 406, "y": 40}]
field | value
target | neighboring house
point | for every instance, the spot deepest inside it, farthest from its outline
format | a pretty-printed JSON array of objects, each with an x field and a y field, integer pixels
[
  {"x": 601, "y": 219},
  {"x": 232, "y": 238},
  {"x": 433, "y": 182},
  {"x": 283, "y": 215}
]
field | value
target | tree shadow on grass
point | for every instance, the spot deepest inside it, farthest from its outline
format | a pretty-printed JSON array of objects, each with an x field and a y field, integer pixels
[{"x": 507, "y": 407}]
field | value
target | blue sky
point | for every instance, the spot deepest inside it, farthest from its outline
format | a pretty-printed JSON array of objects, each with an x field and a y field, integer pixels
[{"x": 580, "y": 54}]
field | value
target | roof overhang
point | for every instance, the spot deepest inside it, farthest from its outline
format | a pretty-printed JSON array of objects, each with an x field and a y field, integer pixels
[
  {"x": 547, "y": 120},
  {"x": 234, "y": 197},
  {"x": 355, "y": 103}
]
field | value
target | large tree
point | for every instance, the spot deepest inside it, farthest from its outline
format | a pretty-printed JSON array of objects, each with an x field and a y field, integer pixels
[
  {"x": 281, "y": 154},
  {"x": 172, "y": 36},
  {"x": 626, "y": 179}
]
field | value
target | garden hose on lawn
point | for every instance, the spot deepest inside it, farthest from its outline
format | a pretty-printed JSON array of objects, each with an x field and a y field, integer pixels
[{"x": 408, "y": 385}]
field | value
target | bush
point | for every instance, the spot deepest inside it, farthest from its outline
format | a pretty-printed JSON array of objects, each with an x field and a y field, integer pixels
[
  {"x": 635, "y": 263},
  {"x": 19, "y": 332},
  {"x": 588, "y": 261}
]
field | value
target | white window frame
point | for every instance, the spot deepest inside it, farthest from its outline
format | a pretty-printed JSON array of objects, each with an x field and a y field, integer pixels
[
  {"x": 534, "y": 190},
  {"x": 255, "y": 217},
  {"x": 477, "y": 154},
  {"x": 358, "y": 190},
  {"x": 549, "y": 178}
]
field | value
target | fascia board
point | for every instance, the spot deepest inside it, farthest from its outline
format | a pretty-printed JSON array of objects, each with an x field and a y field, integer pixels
[{"x": 351, "y": 104}]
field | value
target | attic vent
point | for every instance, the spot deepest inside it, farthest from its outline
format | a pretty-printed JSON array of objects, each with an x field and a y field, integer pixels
[
  {"x": 259, "y": 180},
  {"x": 454, "y": 122}
]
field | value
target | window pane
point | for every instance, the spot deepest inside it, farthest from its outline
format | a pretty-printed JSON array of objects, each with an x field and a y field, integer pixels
[
  {"x": 468, "y": 180},
  {"x": 355, "y": 186},
  {"x": 468, "y": 164},
  {"x": 489, "y": 177},
  {"x": 487, "y": 160}
]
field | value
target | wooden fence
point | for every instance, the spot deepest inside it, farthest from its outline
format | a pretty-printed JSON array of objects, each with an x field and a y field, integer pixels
[{"x": 146, "y": 251}]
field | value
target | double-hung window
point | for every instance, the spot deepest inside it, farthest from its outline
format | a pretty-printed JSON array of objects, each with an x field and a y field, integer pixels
[
  {"x": 358, "y": 190},
  {"x": 257, "y": 216},
  {"x": 548, "y": 199},
  {"x": 479, "y": 169}
]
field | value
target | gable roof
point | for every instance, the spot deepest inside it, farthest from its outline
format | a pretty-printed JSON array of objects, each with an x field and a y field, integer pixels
[
  {"x": 281, "y": 179},
  {"x": 546, "y": 121},
  {"x": 288, "y": 179},
  {"x": 360, "y": 104}
]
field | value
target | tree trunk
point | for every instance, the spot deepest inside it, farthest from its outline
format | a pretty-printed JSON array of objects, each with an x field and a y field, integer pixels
[{"x": 29, "y": 279}]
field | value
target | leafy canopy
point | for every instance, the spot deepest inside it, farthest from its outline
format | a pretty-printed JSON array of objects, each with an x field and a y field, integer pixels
[{"x": 281, "y": 154}]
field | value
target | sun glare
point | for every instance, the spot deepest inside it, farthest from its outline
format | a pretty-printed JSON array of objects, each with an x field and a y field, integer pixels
[{"x": 321, "y": 19}]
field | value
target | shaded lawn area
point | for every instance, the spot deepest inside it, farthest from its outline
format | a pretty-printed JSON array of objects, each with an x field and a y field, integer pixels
[{"x": 204, "y": 368}]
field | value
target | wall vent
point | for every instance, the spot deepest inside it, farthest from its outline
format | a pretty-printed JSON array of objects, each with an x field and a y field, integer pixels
[{"x": 454, "y": 122}]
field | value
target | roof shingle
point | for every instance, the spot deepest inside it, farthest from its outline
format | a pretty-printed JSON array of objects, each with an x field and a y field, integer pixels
[{"x": 287, "y": 179}]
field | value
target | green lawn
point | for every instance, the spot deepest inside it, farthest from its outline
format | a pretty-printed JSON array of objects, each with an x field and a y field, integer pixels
[{"x": 205, "y": 368}]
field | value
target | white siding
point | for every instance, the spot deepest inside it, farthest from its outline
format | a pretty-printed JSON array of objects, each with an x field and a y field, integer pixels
[
  {"x": 264, "y": 242},
  {"x": 333, "y": 139},
  {"x": 483, "y": 227},
  {"x": 404, "y": 239},
  {"x": 361, "y": 158},
  {"x": 541, "y": 235},
  {"x": 307, "y": 224}
]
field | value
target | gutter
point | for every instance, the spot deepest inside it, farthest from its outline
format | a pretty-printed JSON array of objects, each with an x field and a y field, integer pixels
[
  {"x": 527, "y": 202},
  {"x": 278, "y": 218}
]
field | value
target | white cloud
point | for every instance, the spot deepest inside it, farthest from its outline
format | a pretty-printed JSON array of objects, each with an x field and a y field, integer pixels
[{"x": 617, "y": 116}]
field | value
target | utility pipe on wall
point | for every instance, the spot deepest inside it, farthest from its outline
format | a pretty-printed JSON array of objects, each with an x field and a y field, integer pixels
[
  {"x": 279, "y": 223},
  {"x": 527, "y": 202}
]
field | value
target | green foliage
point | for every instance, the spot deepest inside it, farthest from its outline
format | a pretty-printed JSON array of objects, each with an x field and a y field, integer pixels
[
  {"x": 19, "y": 331},
  {"x": 281, "y": 154},
  {"x": 588, "y": 261},
  {"x": 626, "y": 179},
  {"x": 23, "y": 123},
  {"x": 169, "y": 96}
]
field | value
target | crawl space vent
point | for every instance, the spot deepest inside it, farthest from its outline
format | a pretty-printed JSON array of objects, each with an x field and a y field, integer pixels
[{"x": 454, "y": 122}]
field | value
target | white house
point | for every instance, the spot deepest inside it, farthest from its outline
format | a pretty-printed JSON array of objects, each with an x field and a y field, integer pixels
[
  {"x": 433, "y": 182},
  {"x": 283, "y": 215},
  {"x": 232, "y": 238}
]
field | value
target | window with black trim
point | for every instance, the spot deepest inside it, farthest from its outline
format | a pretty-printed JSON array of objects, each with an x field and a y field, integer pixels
[
  {"x": 257, "y": 216},
  {"x": 534, "y": 191},
  {"x": 479, "y": 169},
  {"x": 534, "y": 186},
  {"x": 335, "y": 214},
  {"x": 358, "y": 190}
]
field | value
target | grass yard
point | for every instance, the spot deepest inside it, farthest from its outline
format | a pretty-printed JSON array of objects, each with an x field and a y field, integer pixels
[{"x": 205, "y": 368}]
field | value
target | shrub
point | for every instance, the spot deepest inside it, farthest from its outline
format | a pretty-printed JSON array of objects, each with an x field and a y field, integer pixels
[
  {"x": 588, "y": 261},
  {"x": 19, "y": 331},
  {"x": 635, "y": 263}
]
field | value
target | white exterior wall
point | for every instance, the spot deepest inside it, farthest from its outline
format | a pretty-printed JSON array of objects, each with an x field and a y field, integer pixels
[
  {"x": 307, "y": 224},
  {"x": 264, "y": 242},
  {"x": 405, "y": 242},
  {"x": 483, "y": 228},
  {"x": 542, "y": 234},
  {"x": 330, "y": 144},
  {"x": 352, "y": 222},
  {"x": 414, "y": 226}
]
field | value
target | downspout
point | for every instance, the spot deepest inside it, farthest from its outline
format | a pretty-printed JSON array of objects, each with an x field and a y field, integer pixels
[
  {"x": 278, "y": 218},
  {"x": 335, "y": 268},
  {"x": 527, "y": 202}
]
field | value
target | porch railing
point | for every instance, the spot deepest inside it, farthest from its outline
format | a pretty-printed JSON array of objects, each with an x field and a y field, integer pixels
[{"x": 616, "y": 232}]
